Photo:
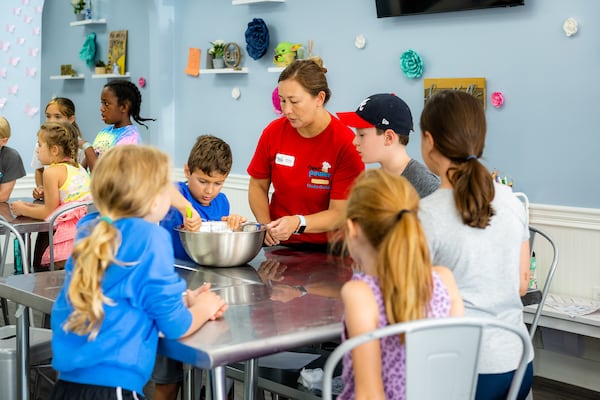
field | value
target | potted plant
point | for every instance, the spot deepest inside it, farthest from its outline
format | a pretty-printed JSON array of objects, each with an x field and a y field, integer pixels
[
  {"x": 216, "y": 51},
  {"x": 100, "y": 67},
  {"x": 78, "y": 8}
]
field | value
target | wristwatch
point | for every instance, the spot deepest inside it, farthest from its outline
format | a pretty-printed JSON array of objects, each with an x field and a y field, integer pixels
[
  {"x": 302, "y": 225},
  {"x": 302, "y": 290}
]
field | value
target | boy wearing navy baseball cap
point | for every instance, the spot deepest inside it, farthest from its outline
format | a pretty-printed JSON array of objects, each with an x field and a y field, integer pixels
[{"x": 383, "y": 123}]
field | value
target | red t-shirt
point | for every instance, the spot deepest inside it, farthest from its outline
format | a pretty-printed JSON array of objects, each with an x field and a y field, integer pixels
[{"x": 306, "y": 172}]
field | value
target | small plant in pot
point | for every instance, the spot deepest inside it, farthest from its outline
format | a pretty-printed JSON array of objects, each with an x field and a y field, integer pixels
[
  {"x": 216, "y": 51},
  {"x": 100, "y": 67},
  {"x": 78, "y": 8}
]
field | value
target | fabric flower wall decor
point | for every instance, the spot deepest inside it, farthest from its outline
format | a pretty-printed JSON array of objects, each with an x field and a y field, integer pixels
[
  {"x": 411, "y": 64},
  {"x": 497, "y": 99},
  {"x": 257, "y": 38}
]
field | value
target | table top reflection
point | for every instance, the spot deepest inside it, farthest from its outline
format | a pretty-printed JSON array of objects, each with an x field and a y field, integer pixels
[
  {"x": 22, "y": 223},
  {"x": 266, "y": 314}
]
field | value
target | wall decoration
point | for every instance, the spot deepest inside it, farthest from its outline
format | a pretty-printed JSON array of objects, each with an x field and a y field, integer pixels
[
  {"x": 497, "y": 99},
  {"x": 570, "y": 26},
  {"x": 193, "y": 64},
  {"x": 217, "y": 51},
  {"x": 236, "y": 93},
  {"x": 232, "y": 55},
  {"x": 411, "y": 64},
  {"x": 360, "y": 41},
  {"x": 257, "y": 38},
  {"x": 276, "y": 101},
  {"x": 88, "y": 50},
  {"x": 117, "y": 50},
  {"x": 142, "y": 82},
  {"x": 473, "y": 86},
  {"x": 285, "y": 53}
]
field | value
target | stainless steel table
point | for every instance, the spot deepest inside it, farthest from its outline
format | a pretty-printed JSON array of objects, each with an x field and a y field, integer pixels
[{"x": 266, "y": 314}]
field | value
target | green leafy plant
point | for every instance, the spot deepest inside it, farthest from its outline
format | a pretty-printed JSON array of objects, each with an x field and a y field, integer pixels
[
  {"x": 78, "y": 6},
  {"x": 218, "y": 48},
  {"x": 100, "y": 63}
]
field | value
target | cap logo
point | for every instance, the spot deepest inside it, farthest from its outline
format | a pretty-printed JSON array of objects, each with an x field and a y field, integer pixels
[
  {"x": 362, "y": 105},
  {"x": 385, "y": 122}
]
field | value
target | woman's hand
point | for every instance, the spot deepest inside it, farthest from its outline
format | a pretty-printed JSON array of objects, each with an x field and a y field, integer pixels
[
  {"x": 234, "y": 221},
  {"x": 281, "y": 229},
  {"x": 38, "y": 193}
]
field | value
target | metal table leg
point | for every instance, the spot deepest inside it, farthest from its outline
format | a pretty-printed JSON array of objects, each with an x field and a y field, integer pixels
[
  {"x": 22, "y": 329},
  {"x": 188, "y": 382},
  {"x": 217, "y": 384},
  {"x": 250, "y": 379}
]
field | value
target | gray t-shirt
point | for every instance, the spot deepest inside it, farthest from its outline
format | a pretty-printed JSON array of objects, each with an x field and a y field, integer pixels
[
  {"x": 486, "y": 264},
  {"x": 423, "y": 180},
  {"x": 11, "y": 165}
]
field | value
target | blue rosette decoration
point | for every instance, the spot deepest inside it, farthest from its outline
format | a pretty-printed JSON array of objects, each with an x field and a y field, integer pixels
[
  {"x": 411, "y": 64},
  {"x": 257, "y": 38}
]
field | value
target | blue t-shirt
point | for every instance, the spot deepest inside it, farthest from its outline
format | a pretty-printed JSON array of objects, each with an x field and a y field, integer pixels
[
  {"x": 146, "y": 294},
  {"x": 218, "y": 208}
]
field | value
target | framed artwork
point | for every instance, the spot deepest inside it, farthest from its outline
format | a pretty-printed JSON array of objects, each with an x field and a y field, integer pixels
[
  {"x": 117, "y": 51},
  {"x": 473, "y": 86}
]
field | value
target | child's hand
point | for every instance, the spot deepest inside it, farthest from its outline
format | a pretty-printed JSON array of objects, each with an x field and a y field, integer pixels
[
  {"x": 212, "y": 305},
  {"x": 191, "y": 219},
  {"x": 17, "y": 207},
  {"x": 38, "y": 193},
  {"x": 234, "y": 221}
]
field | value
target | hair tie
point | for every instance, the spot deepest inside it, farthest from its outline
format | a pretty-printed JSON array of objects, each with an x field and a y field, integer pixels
[
  {"x": 470, "y": 157},
  {"x": 401, "y": 213},
  {"x": 106, "y": 219}
]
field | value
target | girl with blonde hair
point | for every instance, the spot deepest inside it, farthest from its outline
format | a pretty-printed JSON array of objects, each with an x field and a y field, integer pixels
[
  {"x": 393, "y": 282},
  {"x": 121, "y": 287}
]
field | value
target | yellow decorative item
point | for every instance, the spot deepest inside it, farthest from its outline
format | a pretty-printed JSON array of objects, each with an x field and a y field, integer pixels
[{"x": 285, "y": 53}]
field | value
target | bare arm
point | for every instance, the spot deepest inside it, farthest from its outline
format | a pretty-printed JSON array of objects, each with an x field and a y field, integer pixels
[
  {"x": 457, "y": 308},
  {"x": 362, "y": 315},
  {"x": 190, "y": 223},
  {"x": 524, "y": 268},
  {"x": 6, "y": 189},
  {"x": 258, "y": 197},
  {"x": 54, "y": 177},
  {"x": 38, "y": 191},
  {"x": 91, "y": 158},
  {"x": 323, "y": 221}
]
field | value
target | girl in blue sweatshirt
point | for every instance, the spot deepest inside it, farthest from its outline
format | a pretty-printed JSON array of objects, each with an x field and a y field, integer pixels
[{"x": 121, "y": 288}]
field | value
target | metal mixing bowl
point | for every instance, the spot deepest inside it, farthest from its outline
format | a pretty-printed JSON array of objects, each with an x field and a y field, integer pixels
[{"x": 224, "y": 249}]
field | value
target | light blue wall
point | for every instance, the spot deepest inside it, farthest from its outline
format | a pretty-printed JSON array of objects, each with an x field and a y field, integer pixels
[{"x": 544, "y": 136}]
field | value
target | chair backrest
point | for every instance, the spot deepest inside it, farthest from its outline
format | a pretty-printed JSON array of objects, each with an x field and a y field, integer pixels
[
  {"x": 441, "y": 356},
  {"x": 63, "y": 210},
  {"x": 533, "y": 234}
]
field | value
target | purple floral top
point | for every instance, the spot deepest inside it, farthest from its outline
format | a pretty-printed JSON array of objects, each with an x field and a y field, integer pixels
[{"x": 393, "y": 361}]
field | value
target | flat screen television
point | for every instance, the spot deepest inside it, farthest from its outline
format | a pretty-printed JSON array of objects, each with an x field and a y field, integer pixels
[{"x": 394, "y": 8}]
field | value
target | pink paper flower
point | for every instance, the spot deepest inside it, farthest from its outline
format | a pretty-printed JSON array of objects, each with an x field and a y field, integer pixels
[
  {"x": 142, "y": 82},
  {"x": 497, "y": 99}
]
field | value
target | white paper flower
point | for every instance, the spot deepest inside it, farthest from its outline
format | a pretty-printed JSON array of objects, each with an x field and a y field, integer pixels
[
  {"x": 570, "y": 26},
  {"x": 360, "y": 41}
]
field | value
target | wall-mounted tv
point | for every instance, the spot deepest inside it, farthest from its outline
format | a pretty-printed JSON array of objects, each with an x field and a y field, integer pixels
[{"x": 394, "y": 8}]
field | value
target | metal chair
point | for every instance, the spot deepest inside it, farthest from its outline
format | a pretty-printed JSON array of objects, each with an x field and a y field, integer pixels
[
  {"x": 441, "y": 356},
  {"x": 40, "y": 339},
  {"x": 534, "y": 232},
  {"x": 63, "y": 210}
]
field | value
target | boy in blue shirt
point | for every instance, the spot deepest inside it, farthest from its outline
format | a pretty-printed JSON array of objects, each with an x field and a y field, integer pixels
[{"x": 209, "y": 164}]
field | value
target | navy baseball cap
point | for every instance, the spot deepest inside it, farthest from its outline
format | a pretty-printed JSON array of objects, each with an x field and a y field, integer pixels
[{"x": 382, "y": 111}]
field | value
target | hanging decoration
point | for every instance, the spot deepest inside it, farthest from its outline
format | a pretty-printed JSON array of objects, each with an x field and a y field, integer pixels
[
  {"x": 497, "y": 99},
  {"x": 570, "y": 26},
  {"x": 411, "y": 64},
  {"x": 257, "y": 38}
]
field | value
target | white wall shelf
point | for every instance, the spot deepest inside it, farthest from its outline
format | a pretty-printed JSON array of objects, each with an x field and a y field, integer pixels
[
  {"x": 239, "y": 2},
  {"x": 107, "y": 76},
  {"x": 88, "y": 22},
  {"x": 275, "y": 69},
  {"x": 67, "y": 77},
  {"x": 224, "y": 71}
]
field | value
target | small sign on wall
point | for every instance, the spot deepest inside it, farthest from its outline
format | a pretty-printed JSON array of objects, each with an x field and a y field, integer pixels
[{"x": 473, "y": 86}]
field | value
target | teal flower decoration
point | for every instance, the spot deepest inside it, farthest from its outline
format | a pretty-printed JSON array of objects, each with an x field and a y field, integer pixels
[{"x": 411, "y": 64}]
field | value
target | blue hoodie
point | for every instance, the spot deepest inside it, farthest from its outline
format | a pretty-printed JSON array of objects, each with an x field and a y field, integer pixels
[{"x": 147, "y": 299}]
